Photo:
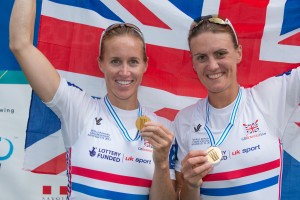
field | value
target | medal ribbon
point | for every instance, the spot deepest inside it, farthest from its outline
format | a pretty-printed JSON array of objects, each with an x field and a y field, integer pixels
[
  {"x": 228, "y": 127},
  {"x": 118, "y": 121}
]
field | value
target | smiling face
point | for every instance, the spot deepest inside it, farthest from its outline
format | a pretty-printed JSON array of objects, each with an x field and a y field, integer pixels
[
  {"x": 215, "y": 60},
  {"x": 123, "y": 65}
]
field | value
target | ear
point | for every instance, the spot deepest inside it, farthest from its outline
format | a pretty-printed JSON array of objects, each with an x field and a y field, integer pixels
[
  {"x": 194, "y": 68},
  {"x": 191, "y": 56},
  {"x": 146, "y": 65},
  {"x": 100, "y": 64},
  {"x": 239, "y": 54}
]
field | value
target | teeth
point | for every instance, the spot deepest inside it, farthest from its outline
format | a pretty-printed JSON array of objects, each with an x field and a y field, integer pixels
[
  {"x": 214, "y": 76},
  {"x": 124, "y": 82}
]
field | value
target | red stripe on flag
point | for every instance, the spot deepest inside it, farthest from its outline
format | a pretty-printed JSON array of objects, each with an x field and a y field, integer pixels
[
  {"x": 293, "y": 40},
  {"x": 53, "y": 166},
  {"x": 143, "y": 14},
  {"x": 167, "y": 113},
  {"x": 70, "y": 46},
  {"x": 297, "y": 123},
  {"x": 243, "y": 172},
  {"x": 104, "y": 176}
]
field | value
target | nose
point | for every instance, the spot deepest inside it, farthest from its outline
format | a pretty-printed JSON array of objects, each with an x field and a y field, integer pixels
[
  {"x": 125, "y": 70},
  {"x": 212, "y": 64}
]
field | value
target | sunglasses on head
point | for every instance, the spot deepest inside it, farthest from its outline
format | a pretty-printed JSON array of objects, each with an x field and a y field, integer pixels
[
  {"x": 212, "y": 19},
  {"x": 118, "y": 25}
]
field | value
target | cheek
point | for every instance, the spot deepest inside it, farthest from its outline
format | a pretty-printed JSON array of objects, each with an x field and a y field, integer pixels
[
  {"x": 198, "y": 68},
  {"x": 141, "y": 71},
  {"x": 140, "y": 75},
  {"x": 109, "y": 74}
]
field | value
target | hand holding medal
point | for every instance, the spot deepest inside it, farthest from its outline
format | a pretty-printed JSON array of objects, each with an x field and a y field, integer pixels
[
  {"x": 195, "y": 166},
  {"x": 158, "y": 136}
]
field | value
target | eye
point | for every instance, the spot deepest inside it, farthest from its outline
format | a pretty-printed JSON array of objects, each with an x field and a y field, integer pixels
[
  {"x": 200, "y": 57},
  {"x": 115, "y": 61},
  {"x": 220, "y": 54},
  {"x": 133, "y": 62}
]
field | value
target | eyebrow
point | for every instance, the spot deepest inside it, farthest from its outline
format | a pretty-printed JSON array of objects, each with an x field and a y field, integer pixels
[
  {"x": 119, "y": 58},
  {"x": 197, "y": 54}
]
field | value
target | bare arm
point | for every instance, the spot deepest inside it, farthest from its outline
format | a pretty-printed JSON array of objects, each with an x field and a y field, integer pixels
[
  {"x": 162, "y": 188},
  {"x": 41, "y": 75},
  {"x": 178, "y": 183}
]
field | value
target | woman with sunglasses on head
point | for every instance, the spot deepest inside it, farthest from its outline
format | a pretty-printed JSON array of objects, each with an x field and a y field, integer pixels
[
  {"x": 229, "y": 143},
  {"x": 107, "y": 156}
]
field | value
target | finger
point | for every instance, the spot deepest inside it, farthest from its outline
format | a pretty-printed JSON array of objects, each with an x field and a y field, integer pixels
[
  {"x": 158, "y": 129},
  {"x": 158, "y": 144},
  {"x": 196, "y": 153},
  {"x": 157, "y": 134},
  {"x": 165, "y": 130},
  {"x": 151, "y": 136},
  {"x": 202, "y": 169},
  {"x": 192, "y": 162},
  {"x": 194, "y": 180},
  {"x": 193, "y": 154},
  {"x": 153, "y": 143},
  {"x": 198, "y": 172},
  {"x": 208, "y": 170},
  {"x": 203, "y": 173}
]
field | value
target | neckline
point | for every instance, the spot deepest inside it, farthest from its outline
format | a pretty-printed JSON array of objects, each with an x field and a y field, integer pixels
[
  {"x": 229, "y": 125},
  {"x": 118, "y": 121}
]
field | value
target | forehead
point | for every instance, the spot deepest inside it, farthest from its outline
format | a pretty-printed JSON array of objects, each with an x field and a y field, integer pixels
[
  {"x": 209, "y": 41},
  {"x": 122, "y": 45}
]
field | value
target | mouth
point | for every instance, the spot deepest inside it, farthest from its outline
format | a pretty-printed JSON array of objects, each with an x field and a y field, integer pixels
[
  {"x": 124, "y": 83},
  {"x": 214, "y": 76}
]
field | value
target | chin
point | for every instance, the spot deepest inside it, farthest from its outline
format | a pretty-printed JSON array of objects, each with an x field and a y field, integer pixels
[
  {"x": 216, "y": 90},
  {"x": 124, "y": 96}
]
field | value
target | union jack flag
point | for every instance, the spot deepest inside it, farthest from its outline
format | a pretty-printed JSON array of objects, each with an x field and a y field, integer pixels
[
  {"x": 69, "y": 33},
  {"x": 251, "y": 128}
]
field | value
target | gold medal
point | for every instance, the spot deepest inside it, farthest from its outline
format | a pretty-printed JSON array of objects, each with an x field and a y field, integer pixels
[
  {"x": 140, "y": 122},
  {"x": 214, "y": 155}
]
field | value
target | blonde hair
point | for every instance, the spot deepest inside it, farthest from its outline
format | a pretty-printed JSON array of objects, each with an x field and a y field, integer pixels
[
  {"x": 120, "y": 30},
  {"x": 207, "y": 26}
]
